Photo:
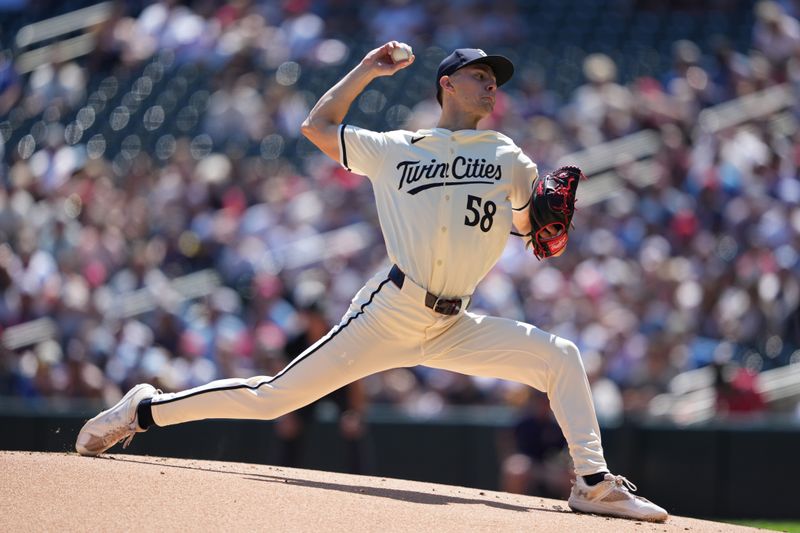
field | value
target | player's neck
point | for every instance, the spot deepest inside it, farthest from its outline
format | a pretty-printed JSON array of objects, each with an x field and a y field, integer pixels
[{"x": 455, "y": 121}]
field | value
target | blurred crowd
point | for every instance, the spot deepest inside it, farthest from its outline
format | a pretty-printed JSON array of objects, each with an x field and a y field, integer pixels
[{"x": 699, "y": 266}]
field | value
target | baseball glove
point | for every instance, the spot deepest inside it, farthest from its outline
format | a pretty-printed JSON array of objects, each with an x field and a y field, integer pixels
[{"x": 552, "y": 204}]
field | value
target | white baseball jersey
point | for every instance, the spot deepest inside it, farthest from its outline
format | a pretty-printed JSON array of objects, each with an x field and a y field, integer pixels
[
  {"x": 444, "y": 199},
  {"x": 445, "y": 204}
]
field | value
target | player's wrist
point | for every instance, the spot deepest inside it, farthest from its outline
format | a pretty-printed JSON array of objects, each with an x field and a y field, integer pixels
[{"x": 366, "y": 71}]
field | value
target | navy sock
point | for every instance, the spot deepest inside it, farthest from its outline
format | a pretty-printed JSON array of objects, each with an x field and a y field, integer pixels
[
  {"x": 144, "y": 414},
  {"x": 594, "y": 479}
]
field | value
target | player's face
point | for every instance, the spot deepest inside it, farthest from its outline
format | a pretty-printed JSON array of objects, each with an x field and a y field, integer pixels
[{"x": 475, "y": 89}]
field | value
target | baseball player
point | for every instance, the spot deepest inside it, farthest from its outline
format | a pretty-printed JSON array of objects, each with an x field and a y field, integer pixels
[{"x": 446, "y": 199}]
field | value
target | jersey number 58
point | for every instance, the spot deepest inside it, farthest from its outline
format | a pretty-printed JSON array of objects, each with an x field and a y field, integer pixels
[{"x": 475, "y": 218}]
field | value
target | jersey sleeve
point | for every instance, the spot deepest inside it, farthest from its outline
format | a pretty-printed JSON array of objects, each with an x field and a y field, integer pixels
[
  {"x": 361, "y": 151},
  {"x": 525, "y": 171}
]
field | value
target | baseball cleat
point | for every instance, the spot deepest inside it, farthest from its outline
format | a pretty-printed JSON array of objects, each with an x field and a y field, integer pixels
[
  {"x": 114, "y": 424},
  {"x": 613, "y": 497}
]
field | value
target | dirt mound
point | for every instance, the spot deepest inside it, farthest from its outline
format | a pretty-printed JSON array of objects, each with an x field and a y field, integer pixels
[{"x": 66, "y": 492}]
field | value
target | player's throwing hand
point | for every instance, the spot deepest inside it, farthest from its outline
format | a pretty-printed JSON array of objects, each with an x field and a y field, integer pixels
[{"x": 389, "y": 58}]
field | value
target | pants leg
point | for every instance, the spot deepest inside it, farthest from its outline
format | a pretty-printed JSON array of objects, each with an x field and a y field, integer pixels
[
  {"x": 368, "y": 339},
  {"x": 506, "y": 349}
]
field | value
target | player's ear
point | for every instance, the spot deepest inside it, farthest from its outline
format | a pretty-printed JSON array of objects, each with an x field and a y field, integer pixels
[{"x": 446, "y": 84}]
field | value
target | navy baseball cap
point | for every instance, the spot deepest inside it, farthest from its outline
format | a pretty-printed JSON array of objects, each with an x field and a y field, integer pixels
[{"x": 502, "y": 66}]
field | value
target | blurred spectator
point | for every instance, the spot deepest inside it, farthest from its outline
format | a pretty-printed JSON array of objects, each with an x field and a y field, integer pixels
[
  {"x": 730, "y": 68},
  {"x": 10, "y": 83},
  {"x": 107, "y": 55},
  {"x": 736, "y": 392},
  {"x": 538, "y": 462},
  {"x": 350, "y": 401},
  {"x": 775, "y": 33},
  {"x": 606, "y": 394},
  {"x": 399, "y": 20},
  {"x": 601, "y": 108},
  {"x": 57, "y": 83},
  {"x": 237, "y": 111},
  {"x": 168, "y": 25},
  {"x": 537, "y": 98}
]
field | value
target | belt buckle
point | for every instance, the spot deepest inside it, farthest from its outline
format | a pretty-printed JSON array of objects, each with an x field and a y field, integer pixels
[{"x": 447, "y": 307}]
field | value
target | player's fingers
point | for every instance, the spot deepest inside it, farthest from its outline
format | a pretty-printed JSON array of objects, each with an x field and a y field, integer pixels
[
  {"x": 386, "y": 50},
  {"x": 379, "y": 53},
  {"x": 381, "y": 57},
  {"x": 387, "y": 59}
]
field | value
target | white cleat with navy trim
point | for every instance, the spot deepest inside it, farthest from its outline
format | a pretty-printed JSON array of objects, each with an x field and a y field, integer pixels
[
  {"x": 613, "y": 497},
  {"x": 114, "y": 424}
]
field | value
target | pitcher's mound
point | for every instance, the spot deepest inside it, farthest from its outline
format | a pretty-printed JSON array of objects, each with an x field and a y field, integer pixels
[{"x": 66, "y": 492}]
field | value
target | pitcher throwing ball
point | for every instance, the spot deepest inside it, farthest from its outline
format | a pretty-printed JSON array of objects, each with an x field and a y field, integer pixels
[{"x": 446, "y": 198}]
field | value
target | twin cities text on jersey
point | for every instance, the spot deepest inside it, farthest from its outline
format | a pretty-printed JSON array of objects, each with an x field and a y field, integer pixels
[{"x": 462, "y": 170}]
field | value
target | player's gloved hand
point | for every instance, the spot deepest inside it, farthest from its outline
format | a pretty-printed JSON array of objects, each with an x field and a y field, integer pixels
[{"x": 550, "y": 211}]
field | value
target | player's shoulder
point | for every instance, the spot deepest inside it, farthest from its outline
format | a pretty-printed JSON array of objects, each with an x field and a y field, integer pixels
[
  {"x": 507, "y": 146},
  {"x": 400, "y": 135},
  {"x": 488, "y": 136},
  {"x": 462, "y": 136},
  {"x": 504, "y": 139},
  {"x": 408, "y": 137},
  {"x": 392, "y": 137}
]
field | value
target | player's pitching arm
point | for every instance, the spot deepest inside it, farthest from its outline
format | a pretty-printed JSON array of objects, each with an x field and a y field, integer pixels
[{"x": 321, "y": 125}]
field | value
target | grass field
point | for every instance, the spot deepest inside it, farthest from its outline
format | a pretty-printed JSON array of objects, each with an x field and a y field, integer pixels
[{"x": 791, "y": 527}]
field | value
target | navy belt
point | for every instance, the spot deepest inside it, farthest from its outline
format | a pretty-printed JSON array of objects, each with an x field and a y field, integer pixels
[{"x": 444, "y": 306}]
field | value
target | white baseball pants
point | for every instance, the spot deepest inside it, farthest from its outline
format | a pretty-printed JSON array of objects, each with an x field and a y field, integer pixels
[{"x": 386, "y": 327}]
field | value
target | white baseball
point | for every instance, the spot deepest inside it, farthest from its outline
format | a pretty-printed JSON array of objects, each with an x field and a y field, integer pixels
[{"x": 401, "y": 53}]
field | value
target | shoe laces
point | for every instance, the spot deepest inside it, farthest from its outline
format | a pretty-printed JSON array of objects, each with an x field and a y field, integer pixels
[
  {"x": 128, "y": 440},
  {"x": 616, "y": 483},
  {"x": 131, "y": 430},
  {"x": 623, "y": 483},
  {"x": 121, "y": 432}
]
